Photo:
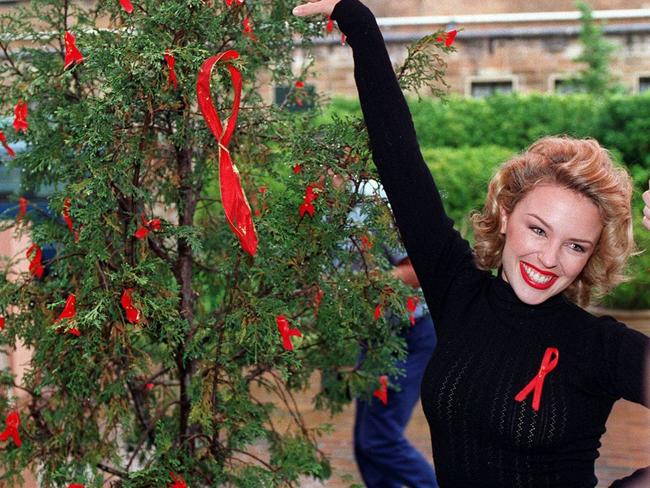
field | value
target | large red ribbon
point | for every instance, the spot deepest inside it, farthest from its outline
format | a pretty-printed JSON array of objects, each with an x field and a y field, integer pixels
[
  {"x": 12, "y": 422},
  {"x": 235, "y": 204},
  {"x": 549, "y": 362},
  {"x": 72, "y": 54},
  {"x": 35, "y": 255},
  {"x": 3, "y": 141}
]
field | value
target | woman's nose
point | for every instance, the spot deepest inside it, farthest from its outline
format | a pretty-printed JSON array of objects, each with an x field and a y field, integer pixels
[{"x": 549, "y": 256}]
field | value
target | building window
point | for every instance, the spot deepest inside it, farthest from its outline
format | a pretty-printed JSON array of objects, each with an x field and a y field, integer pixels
[
  {"x": 485, "y": 88},
  {"x": 644, "y": 83},
  {"x": 566, "y": 86}
]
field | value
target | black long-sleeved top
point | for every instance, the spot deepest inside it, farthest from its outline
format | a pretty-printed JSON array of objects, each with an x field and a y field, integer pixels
[{"x": 490, "y": 344}]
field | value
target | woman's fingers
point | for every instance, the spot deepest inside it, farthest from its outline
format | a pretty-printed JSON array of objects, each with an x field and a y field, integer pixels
[{"x": 315, "y": 7}]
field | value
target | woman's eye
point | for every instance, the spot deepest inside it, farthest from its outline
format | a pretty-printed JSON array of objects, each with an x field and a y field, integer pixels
[
  {"x": 538, "y": 231},
  {"x": 576, "y": 247}
]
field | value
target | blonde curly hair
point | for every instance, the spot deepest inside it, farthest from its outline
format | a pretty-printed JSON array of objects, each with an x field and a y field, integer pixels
[{"x": 581, "y": 165}]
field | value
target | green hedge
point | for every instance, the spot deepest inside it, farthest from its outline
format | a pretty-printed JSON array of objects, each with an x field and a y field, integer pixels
[
  {"x": 621, "y": 123},
  {"x": 462, "y": 175}
]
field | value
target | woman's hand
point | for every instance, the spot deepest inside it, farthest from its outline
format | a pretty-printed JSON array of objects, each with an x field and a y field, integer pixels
[
  {"x": 646, "y": 209},
  {"x": 315, "y": 7}
]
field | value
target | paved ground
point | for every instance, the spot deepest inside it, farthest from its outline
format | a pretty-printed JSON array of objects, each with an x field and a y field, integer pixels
[{"x": 626, "y": 444}]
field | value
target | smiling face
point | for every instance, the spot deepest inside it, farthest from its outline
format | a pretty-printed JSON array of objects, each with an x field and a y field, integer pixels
[{"x": 549, "y": 237}]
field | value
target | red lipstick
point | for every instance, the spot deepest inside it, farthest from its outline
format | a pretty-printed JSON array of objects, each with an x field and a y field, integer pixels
[{"x": 534, "y": 284}]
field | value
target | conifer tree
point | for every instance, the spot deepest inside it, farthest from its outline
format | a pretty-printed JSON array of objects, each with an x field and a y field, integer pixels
[{"x": 162, "y": 344}]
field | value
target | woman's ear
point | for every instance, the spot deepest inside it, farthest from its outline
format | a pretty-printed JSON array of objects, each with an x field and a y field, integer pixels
[{"x": 504, "y": 219}]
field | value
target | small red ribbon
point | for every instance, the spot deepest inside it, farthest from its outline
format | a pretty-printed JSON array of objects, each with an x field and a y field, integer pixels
[
  {"x": 236, "y": 207},
  {"x": 126, "y": 5},
  {"x": 171, "y": 75},
  {"x": 229, "y": 2},
  {"x": 35, "y": 255},
  {"x": 307, "y": 205},
  {"x": 3, "y": 141},
  {"x": 20, "y": 117},
  {"x": 286, "y": 332},
  {"x": 2, "y": 322},
  {"x": 149, "y": 386},
  {"x": 248, "y": 29},
  {"x": 382, "y": 391},
  {"x": 72, "y": 54},
  {"x": 297, "y": 168},
  {"x": 12, "y": 422},
  {"x": 22, "y": 209},
  {"x": 132, "y": 313},
  {"x": 366, "y": 243},
  {"x": 76, "y": 485},
  {"x": 378, "y": 311},
  {"x": 147, "y": 226},
  {"x": 179, "y": 482},
  {"x": 448, "y": 37},
  {"x": 412, "y": 305},
  {"x": 330, "y": 24},
  {"x": 318, "y": 298},
  {"x": 549, "y": 362},
  {"x": 69, "y": 313},
  {"x": 67, "y": 203}
]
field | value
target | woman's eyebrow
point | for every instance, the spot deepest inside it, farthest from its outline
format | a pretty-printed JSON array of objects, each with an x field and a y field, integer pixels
[{"x": 586, "y": 241}]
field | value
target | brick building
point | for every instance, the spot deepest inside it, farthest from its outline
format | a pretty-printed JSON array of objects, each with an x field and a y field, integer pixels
[{"x": 504, "y": 46}]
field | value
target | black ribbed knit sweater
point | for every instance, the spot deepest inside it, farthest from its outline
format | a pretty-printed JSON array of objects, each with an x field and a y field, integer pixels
[{"x": 490, "y": 344}]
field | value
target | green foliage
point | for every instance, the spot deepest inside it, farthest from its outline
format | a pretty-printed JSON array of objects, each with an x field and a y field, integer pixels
[
  {"x": 620, "y": 122},
  {"x": 595, "y": 76},
  {"x": 189, "y": 389}
]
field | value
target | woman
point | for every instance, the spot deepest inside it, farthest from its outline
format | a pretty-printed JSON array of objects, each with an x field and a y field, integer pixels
[{"x": 521, "y": 384}]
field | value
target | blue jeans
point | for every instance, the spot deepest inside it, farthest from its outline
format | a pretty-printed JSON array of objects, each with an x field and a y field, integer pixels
[{"x": 386, "y": 459}]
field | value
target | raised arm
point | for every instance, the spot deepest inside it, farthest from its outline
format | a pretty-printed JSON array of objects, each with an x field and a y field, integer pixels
[{"x": 434, "y": 247}]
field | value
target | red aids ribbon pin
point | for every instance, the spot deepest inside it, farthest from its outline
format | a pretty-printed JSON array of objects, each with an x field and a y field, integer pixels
[
  {"x": 286, "y": 332},
  {"x": 3, "y": 141},
  {"x": 382, "y": 391},
  {"x": 549, "y": 362},
  {"x": 126, "y": 5},
  {"x": 448, "y": 38},
  {"x": 69, "y": 313},
  {"x": 171, "y": 75},
  {"x": 67, "y": 203},
  {"x": 20, "y": 117},
  {"x": 147, "y": 226},
  {"x": 22, "y": 209},
  {"x": 307, "y": 205},
  {"x": 35, "y": 255},
  {"x": 12, "y": 422},
  {"x": 72, "y": 54},
  {"x": 412, "y": 305},
  {"x": 132, "y": 313},
  {"x": 179, "y": 482},
  {"x": 236, "y": 207}
]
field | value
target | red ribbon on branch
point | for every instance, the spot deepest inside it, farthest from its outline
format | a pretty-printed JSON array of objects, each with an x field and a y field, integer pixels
[
  {"x": 297, "y": 168},
  {"x": 22, "y": 209},
  {"x": 67, "y": 203},
  {"x": 132, "y": 313},
  {"x": 382, "y": 391},
  {"x": 20, "y": 117},
  {"x": 69, "y": 313},
  {"x": 179, "y": 482},
  {"x": 330, "y": 24},
  {"x": 235, "y": 204},
  {"x": 2, "y": 322},
  {"x": 549, "y": 362},
  {"x": 12, "y": 422},
  {"x": 147, "y": 226},
  {"x": 248, "y": 29},
  {"x": 72, "y": 54},
  {"x": 171, "y": 75},
  {"x": 378, "y": 311},
  {"x": 448, "y": 37},
  {"x": 286, "y": 332},
  {"x": 35, "y": 255},
  {"x": 307, "y": 205},
  {"x": 126, "y": 5},
  {"x": 3, "y": 141},
  {"x": 412, "y": 305},
  {"x": 76, "y": 485}
]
